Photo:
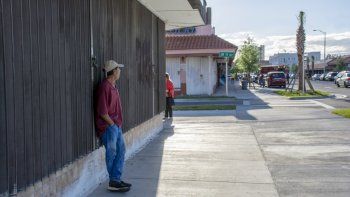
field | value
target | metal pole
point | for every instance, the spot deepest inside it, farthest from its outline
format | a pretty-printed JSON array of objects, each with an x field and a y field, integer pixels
[
  {"x": 324, "y": 48},
  {"x": 226, "y": 78},
  {"x": 324, "y": 53}
]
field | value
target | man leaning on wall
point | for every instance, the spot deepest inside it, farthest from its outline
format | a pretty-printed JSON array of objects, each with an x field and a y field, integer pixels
[{"x": 109, "y": 126}]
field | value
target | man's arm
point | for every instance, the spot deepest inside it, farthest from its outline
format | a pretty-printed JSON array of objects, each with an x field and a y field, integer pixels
[
  {"x": 102, "y": 109},
  {"x": 107, "y": 119}
]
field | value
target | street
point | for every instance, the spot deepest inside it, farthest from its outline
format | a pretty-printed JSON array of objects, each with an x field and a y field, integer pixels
[
  {"x": 339, "y": 98},
  {"x": 329, "y": 86}
]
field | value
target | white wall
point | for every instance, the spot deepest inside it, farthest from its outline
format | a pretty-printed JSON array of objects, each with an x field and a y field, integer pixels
[
  {"x": 195, "y": 67},
  {"x": 173, "y": 68},
  {"x": 212, "y": 76},
  {"x": 197, "y": 75}
]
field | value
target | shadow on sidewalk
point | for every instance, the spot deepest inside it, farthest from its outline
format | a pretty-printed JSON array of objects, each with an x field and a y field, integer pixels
[
  {"x": 246, "y": 100},
  {"x": 144, "y": 169}
]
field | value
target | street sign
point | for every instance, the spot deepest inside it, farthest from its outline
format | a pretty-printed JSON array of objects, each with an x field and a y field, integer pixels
[{"x": 227, "y": 54}]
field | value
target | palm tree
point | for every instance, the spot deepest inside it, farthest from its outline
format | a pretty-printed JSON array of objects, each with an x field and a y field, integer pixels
[{"x": 300, "y": 47}]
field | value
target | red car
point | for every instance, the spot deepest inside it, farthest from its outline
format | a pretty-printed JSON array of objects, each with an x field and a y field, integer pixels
[{"x": 276, "y": 79}]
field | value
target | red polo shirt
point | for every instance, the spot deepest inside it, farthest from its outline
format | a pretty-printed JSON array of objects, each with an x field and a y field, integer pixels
[
  {"x": 108, "y": 102},
  {"x": 170, "y": 88}
]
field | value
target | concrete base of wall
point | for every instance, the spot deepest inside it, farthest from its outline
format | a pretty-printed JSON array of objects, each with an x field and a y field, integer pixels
[{"x": 85, "y": 174}]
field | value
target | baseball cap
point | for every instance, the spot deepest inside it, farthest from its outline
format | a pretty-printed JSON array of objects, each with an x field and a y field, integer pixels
[{"x": 111, "y": 64}]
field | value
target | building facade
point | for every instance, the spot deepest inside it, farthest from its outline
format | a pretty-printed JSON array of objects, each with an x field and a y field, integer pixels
[
  {"x": 192, "y": 58},
  {"x": 261, "y": 52},
  {"x": 193, "y": 62},
  {"x": 290, "y": 59}
]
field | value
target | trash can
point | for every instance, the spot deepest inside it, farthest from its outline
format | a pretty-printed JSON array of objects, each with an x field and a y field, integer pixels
[{"x": 244, "y": 84}]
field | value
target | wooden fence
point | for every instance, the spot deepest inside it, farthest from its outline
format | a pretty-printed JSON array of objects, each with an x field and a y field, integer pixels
[{"x": 47, "y": 78}]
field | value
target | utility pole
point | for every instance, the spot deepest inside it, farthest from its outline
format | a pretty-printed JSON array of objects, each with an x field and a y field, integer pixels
[
  {"x": 227, "y": 56},
  {"x": 324, "y": 48}
]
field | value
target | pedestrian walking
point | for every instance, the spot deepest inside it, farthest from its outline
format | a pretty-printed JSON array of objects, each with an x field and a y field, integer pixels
[
  {"x": 262, "y": 80},
  {"x": 169, "y": 96},
  {"x": 109, "y": 121}
]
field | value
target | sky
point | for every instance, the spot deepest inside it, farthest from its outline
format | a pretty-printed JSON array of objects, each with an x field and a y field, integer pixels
[{"x": 273, "y": 23}]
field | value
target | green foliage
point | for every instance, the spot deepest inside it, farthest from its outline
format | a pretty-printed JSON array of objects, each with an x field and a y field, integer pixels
[
  {"x": 248, "y": 61},
  {"x": 340, "y": 64},
  {"x": 236, "y": 69},
  {"x": 205, "y": 97},
  {"x": 342, "y": 112},
  {"x": 296, "y": 94},
  {"x": 294, "y": 68},
  {"x": 203, "y": 107}
]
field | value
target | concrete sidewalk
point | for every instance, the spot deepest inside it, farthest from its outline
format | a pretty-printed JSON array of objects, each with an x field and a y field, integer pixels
[
  {"x": 199, "y": 156},
  {"x": 269, "y": 146}
]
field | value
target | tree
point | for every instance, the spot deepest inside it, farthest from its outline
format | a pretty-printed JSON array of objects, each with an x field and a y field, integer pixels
[
  {"x": 340, "y": 64},
  {"x": 248, "y": 61},
  {"x": 301, "y": 47},
  {"x": 294, "y": 68},
  {"x": 235, "y": 70}
]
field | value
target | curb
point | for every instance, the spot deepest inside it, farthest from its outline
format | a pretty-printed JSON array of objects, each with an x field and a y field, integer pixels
[{"x": 308, "y": 97}]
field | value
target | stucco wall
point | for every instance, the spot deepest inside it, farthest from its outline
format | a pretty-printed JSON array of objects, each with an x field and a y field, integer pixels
[
  {"x": 173, "y": 68},
  {"x": 213, "y": 76},
  {"x": 201, "y": 74},
  {"x": 197, "y": 75}
]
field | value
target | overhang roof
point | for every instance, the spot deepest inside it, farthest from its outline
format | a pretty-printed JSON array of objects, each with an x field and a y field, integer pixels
[
  {"x": 346, "y": 59},
  {"x": 197, "y": 42},
  {"x": 175, "y": 14}
]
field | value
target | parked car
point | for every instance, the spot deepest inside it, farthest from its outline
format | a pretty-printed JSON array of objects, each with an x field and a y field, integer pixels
[
  {"x": 276, "y": 79},
  {"x": 322, "y": 76},
  {"x": 316, "y": 77},
  {"x": 330, "y": 76},
  {"x": 344, "y": 80},
  {"x": 338, "y": 76}
]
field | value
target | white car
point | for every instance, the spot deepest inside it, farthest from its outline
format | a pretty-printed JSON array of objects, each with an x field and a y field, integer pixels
[
  {"x": 344, "y": 80},
  {"x": 316, "y": 77}
]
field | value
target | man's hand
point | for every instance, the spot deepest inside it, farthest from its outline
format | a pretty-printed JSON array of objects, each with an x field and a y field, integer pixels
[{"x": 107, "y": 119}]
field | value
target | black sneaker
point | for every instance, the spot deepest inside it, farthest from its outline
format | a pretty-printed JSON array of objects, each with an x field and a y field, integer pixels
[
  {"x": 125, "y": 184},
  {"x": 117, "y": 186}
]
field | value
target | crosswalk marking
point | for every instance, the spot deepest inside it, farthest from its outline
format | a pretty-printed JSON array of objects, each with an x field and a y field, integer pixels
[
  {"x": 323, "y": 105},
  {"x": 295, "y": 103}
]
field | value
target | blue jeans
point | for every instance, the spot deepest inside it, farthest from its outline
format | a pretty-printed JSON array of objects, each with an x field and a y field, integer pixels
[{"x": 113, "y": 141}]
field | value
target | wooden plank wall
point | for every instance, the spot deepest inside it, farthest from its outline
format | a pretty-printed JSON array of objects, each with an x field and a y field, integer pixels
[
  {"x": 130, "y": 34},
  {"x": 46, "y": 97},
  {"x": 46, "y": 90}
]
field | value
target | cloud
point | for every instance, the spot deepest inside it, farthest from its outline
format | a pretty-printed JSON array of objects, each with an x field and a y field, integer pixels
[{"x": 337, "y": 43}]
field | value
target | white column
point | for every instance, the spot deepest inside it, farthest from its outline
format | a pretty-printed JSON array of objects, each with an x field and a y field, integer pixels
[
  {"x": 226, "y": 78},
  {"x": 209, "y": 77}
]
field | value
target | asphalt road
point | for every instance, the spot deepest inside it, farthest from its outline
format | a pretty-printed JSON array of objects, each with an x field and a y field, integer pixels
[
  {"x": 342, "y": 95},
  {"x": 329, "y": 86},
  {"x": 341, "y": 98}
]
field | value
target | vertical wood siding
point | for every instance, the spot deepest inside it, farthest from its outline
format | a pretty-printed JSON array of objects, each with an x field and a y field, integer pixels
[
  {"x": 46, "y": 86},
  {"x": 130, "y": 34}
]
